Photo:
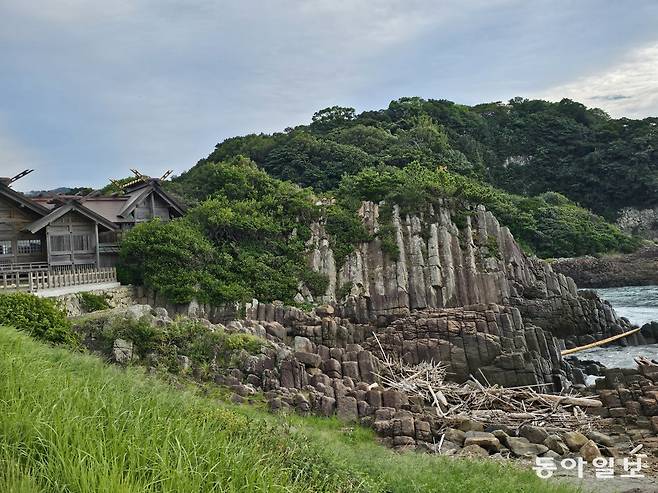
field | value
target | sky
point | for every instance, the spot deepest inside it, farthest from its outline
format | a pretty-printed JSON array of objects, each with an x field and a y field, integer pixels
[{"x": 90, "y": 89}]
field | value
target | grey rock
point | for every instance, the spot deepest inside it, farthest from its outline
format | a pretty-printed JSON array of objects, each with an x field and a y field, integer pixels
[
  {"x": 483, "y": 439},
  {"x": 303, "y": 344},
  {"x": 473, "y": 451},
  {"x": 347, "y": 409},
  {"x": 600, "y": 438},
  {"x": 574, "y": 440},
  {"x": 455, "y": 436},
  {"x": 122, "y": 351},
  {"x": 309, "y": 359},
  {"x": 555, "y": 443},
  {"x": 136, "y": 312},
  {"x": 468, "y": 424},
  {"x": 521, "y": 447},
  {"x": 404, "y": 442},
  {"x": 534, "y": 434},
  {"x": 589, "y": 451}
]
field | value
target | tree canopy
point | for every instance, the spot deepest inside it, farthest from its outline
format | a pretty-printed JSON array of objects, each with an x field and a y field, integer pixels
[{"x": 526, "y": 147}]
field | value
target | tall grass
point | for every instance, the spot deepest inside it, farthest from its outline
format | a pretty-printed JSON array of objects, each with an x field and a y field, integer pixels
[{"x": 69, "y": 423}]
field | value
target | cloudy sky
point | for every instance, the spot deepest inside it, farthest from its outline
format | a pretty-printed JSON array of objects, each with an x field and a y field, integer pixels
[{"x": 89, "y": 89}]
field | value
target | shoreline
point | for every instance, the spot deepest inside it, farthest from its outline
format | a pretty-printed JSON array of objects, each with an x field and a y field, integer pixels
[{"x": 639, "y": 268}]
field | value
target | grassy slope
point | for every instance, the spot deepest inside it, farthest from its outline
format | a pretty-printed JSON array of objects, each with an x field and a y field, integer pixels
[{"x": 68, "y": 422}]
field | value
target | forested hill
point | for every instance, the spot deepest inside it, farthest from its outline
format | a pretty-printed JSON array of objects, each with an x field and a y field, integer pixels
[{"x": 526, "y": 147}]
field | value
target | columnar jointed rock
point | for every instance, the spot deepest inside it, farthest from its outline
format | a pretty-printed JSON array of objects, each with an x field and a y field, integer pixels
[
  {"x": 483, "y": 341},
  {"x": 442, "y": 265}
]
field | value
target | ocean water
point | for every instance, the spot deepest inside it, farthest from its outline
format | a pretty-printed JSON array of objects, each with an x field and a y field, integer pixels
[{"x": 639, "y": 304}]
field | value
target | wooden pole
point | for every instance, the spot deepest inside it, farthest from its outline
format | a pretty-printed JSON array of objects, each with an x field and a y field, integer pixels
[{"x": 599, "y": 343}]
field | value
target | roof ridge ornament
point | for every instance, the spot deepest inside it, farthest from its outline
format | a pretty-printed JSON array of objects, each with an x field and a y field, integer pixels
[
  {"x": 8, "y": 181},
  {"x": 140, "y": 178}
]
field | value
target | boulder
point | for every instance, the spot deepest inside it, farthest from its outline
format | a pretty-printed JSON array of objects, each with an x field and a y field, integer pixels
[
  {"x": 309, "y": 359},
  {"x": 303, "y": 344},
  {"x": 481, "y": 438},
  {"x": 404, "y": 442},
  {"x": 555, "y": 443},
  {"x": 521, "y": 447},
  {"x": 122, "y": 351},
  {"x": 347, "y": 408},
  {"x": 455, "y": 436},
  {"x": 534, "y": 434},
  {"x": 589, "y": 451},
  {"x": 275, "y": 329},
  {"x": 136, "y": 312},
  {"x": 574, "y": 440},
  {"x": 325, "y": 311},
  {"x": 468, "y": 424},
  {"x": 600, "y": 438},
  {"x": 473, "y": 450}
]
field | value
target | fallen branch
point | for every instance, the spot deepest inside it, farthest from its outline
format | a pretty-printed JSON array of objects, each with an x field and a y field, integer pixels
[
  {"x": 494, "y": 404},
  {"x": 599, "y": 343}
]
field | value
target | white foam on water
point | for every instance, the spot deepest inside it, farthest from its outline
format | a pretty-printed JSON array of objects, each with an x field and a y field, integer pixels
[{"x": 639, "y": 304}]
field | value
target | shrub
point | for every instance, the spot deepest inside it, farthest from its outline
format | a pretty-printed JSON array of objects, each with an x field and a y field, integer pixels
[
  {"x": 316, "y": 282},
  {"x": 346, "y": 229},
  {"x": 91, "y": 302},
  {"x": 39, "y": 317},
  {"x": 248, "y": 342},
  {"x": 344, "y": 290}
]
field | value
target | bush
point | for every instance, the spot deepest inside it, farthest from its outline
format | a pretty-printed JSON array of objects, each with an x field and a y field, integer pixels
[
  {"x": 549, "y": 225},
  {"x": 90, "y": 302},
  {"x": 245, "y": 239},
  {"x": 39, "y": 317},
  {"x": 316, "y": 282}
]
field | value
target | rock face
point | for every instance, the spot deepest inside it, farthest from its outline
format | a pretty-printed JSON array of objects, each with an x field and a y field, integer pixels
[
  {"x": 639, "y": 268},
  {"x": 640, "y": 222},
  {"x": 484, "y": 338},
  {"x": 444, "y": 265}
]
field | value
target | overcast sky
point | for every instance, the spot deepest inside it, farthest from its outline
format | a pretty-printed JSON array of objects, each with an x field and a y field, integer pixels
[{"x": 89, "y": 89}]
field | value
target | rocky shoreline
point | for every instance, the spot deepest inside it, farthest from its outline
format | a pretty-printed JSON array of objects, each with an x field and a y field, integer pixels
[
  {"x": 639, "y": 268},
  {"x": 295, "y": 374}
]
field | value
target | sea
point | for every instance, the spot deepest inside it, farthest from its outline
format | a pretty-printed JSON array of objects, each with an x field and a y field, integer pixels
[{"x": 639, "y": 304}]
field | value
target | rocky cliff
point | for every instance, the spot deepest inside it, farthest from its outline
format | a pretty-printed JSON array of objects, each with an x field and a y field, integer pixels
[
  {"x": 452, "y": 259},
  {"x": 640, "y": 222},
  {"x": 639, "y": 268}
]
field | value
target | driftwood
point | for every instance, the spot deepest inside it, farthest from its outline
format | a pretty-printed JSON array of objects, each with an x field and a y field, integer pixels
[
  {"x": 599, "y": 343},
  {"x": 492, "y": 404}
]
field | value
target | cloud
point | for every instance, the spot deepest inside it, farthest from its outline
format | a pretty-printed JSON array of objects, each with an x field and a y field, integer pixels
[
  {"x": 628, "y": 88},
  {"x": 91, "y": 89}
]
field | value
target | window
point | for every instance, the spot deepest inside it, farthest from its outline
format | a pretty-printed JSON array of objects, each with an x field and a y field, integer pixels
[
  {"x": 81, "y": 243},
  {"x": 26, "y": 247},
  {"x": 6, "y": 247},
  {"x": 60, "y": 243}
]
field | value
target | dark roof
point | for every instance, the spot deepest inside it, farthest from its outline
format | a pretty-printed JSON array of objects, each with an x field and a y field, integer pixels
[
  {"x": 22, "y": 200},
  {"x": 73, "y": 205},
  {"x": 107, "y": 211},
  {"x": 139, "y": 191}
]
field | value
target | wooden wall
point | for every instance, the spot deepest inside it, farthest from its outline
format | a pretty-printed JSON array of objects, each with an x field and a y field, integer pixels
[
  {"x": 72, "y": 240},
  {"x": 13, "y": 219},
  {"x": 151, "y": 207}
]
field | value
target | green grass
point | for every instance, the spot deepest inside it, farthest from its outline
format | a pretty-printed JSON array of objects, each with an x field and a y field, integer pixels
[{"x": 70, "y": 423}]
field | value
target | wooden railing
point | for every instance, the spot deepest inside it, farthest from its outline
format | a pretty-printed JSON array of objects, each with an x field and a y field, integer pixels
[
  {"x": 12, "y": 268},
  {"x": 37, "y": 280}
]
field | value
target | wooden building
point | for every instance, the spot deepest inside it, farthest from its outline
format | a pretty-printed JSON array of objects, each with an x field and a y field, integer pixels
[{"x": 56, "y": 233}]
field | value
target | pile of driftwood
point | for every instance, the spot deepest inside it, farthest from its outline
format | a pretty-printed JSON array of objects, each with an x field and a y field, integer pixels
[{"x": 490, "y": 404}]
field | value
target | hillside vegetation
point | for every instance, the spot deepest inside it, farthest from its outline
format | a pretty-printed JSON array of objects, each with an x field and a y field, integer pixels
[
  {"x": 531, "y": 163},
  {"x": 71, "y": 423},
  {"x": 526, "y": 147}
]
